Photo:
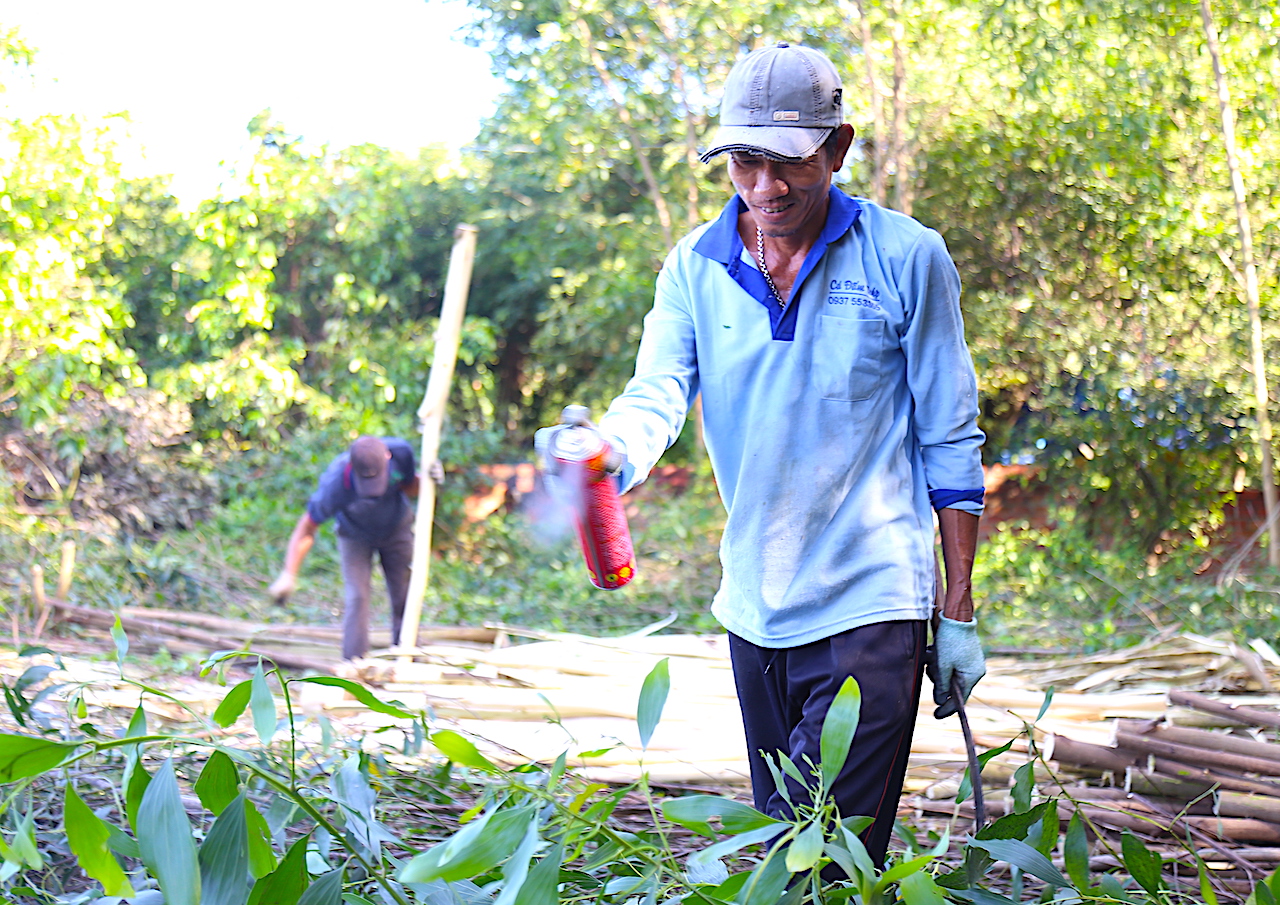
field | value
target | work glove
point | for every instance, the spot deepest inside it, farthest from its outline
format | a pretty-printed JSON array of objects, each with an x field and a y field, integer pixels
[
  {"x": 283, "y": 587},
  {"x": 956, "y": 653}
]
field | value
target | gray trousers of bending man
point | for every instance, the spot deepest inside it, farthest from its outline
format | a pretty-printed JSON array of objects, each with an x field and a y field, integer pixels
[{"x": 395, "y": 553}]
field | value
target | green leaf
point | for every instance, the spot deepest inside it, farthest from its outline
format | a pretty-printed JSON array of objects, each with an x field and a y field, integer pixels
[
  {"x": 461, "y": 751},
  {"x": 903, "y": 869},
  {"x": 765, "y": 884},
  {"x": 24, "y": 842},
  {"x": 919, "y": 889},
  {"x": 789, "y": 767},
  {"x": 475, "y": 849},
  {"x": 516, "y": 869},
  {"x": 653, "y": 697},
  {"x": 121, "y": 641},
  {"x": 285, "y": 884},
  {"x": 224, "y": 857},
  {"x": 137, "y": 726},
  {"x": 1014, "y": 826},
  {"x": 361, "y": 694},
  {"x": 263, "y": 705},
  {"x": 694, "y": 812},
  {"x": 805, "y": 849},
  {"x": 164, "y": 838},
  {"x": 122, "y": 843},
  {"x": 233, "y": 704},
  {"x": 1207, "y": 893},
  {"x": 136, "y": 781},
  {"x": 863, "y": 865},
  {"x": 1044, "y": 708},
  {"x": 1075, "y": 853},
  {"x": 1023, "y": 786},
  {"x": 1044, "y": 833},
  {"x": 540, "y": 888},
  {"x": 979, "y": 896},
  {"x": 1143, "y": 865},
  {"x": 22, "y": 756},
  {"x": 87, "y": 836},
  {"x": 966, "y": 783},
  {"x": 219, "y": 782},
  {"x": 262, "y": 858},
  {"x": 1024, "y": 857},
  {"x": 702, "y": 859},
  {"x": 326, "y": 889},
  {"x": 838, "y": 730}
]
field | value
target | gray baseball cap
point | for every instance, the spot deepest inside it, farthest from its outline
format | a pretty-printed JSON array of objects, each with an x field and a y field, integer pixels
[{"x": 782, "y": 101}]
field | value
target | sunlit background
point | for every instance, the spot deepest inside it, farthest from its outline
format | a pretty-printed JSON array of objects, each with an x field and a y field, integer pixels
[{"x": 182, "y": 80}]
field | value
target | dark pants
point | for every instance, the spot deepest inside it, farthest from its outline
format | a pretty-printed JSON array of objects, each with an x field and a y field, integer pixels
[
  {"x": 785, "y": 694},
  {"x": 396, "y": 554}
]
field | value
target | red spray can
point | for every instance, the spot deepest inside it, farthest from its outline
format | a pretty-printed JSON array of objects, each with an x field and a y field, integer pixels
[{"x": 582, "y": 460}]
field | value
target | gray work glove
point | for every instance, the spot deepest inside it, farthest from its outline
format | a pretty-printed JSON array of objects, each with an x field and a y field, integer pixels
[{"x": 956, "y": 653}]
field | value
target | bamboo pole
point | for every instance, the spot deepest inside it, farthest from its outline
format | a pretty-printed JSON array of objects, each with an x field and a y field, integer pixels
[
  {"x": 1247, "y": 715},
  {"x": 1067, "y": 750},
  {"x": 431, "y": 418},
  {"x": 1188, "y": 754},
  {"x": 1231, "y": 781},
  {"x": 206, "y": 641},
  {"x": 1262, "y": 396},
  {"x": 66, "y": 567},
  {"x": 1200, "y": 738}
]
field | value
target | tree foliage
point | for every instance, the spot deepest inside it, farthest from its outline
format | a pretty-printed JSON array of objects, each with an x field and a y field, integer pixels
[{"x": 1066, "y": 149}]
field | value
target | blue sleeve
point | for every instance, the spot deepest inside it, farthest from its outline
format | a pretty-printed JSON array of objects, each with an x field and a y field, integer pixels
[
  {"x": 941, "y": 377},
  {"x": 648, "y": 416},
  {"x": 332, "y": 494}
]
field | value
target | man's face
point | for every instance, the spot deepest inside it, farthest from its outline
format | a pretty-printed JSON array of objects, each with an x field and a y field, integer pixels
[{"x": 786, "y": 199}]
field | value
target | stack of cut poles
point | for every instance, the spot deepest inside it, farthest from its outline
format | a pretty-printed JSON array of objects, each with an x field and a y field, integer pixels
[{"x": 1210, "y": 773}]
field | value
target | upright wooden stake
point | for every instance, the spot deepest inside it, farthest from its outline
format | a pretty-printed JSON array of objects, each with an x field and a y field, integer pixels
[
  {"x": 66, "y": 567},
  {"x": 431, "y": 418},
  {"x": 1250, "y": 273}
]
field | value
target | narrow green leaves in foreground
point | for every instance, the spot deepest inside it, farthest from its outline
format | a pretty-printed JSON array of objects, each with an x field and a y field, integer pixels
[
  {"x": 23, "y": 755},
  {"x": 461, "y": 751},
  {"x": 361, "y": 694},
  {"x": 838, "y": 730},
  {"x": 326, "y": 890},
  {"x": 87, "y": 836},
  {"x": 477, "y": 848},
  {"x": 285, "y": 884},
  {"x": 164, "y": 838},
  {"x": 233, "y": 704},
  {"x": 653, "y": 697},
  {"x": 224, "y": 858},
  {"x": 1143, "y": 864},
  {"x": 219, "y": 782},
  {"x": 262, "y": 703},
  {"x": 695, "y": 811}
]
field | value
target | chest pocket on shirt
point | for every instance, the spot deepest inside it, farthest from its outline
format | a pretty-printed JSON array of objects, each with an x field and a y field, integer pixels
[{"x": 848, "y": 357}]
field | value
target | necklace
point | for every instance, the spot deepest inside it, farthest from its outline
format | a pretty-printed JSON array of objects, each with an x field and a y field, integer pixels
[{"x": 764, "y": 268}]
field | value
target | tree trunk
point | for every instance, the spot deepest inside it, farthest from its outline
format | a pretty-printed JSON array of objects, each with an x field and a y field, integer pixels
[
  {"x": 633, "y": 134},
  {"x": 902, "y": 196},
  {"x": 875, "y": 147},
  {"x": 1249, "y": 267}
]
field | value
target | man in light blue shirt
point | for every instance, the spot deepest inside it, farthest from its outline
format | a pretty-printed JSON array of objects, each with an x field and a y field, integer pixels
[{"x": 840, "y": 405}]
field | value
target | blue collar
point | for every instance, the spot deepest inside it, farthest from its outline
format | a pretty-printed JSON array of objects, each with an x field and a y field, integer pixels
[{"x": 722, "y": 243}]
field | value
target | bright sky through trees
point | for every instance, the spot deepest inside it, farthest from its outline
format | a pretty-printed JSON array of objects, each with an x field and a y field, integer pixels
[{"x": 192, "y": 75}]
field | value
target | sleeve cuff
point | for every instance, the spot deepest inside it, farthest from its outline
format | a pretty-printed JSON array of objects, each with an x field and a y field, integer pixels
[{"x": 969, "y": 500}]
